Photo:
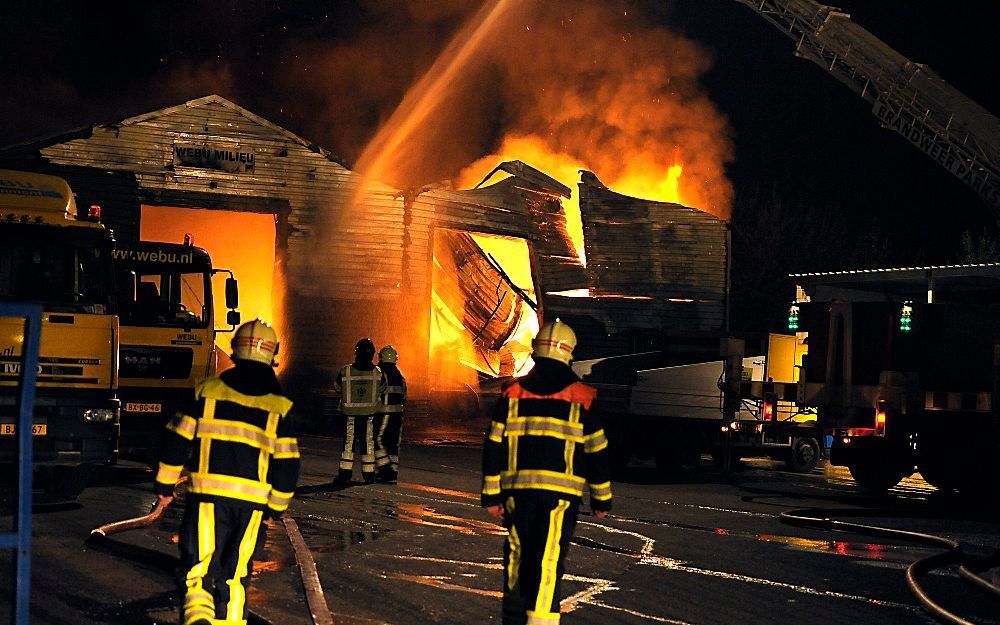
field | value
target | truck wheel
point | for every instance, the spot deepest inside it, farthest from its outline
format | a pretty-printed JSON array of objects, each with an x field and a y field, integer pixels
[
  {"x": 877, "y": 478},
  {"x": 65, "y": 483},
  {"x": 803, "y": 455},
  {"x": 678, "y": 453}
]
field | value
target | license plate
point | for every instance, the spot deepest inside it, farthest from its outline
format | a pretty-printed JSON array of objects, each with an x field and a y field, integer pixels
[
  {"x": 137, "y": 407},
  {"x": 10, "y": 429}
]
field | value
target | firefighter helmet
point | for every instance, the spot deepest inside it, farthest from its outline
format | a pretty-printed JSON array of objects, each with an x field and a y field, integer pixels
[
  {"x": 257, "y": 341},
  {"x": 388, "y": 354},
  {"x": 555, "y": 340},
  {"x": 365, "y": 349}
]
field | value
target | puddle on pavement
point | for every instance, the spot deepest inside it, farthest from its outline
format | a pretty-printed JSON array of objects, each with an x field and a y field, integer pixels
[
  {"x": 425, "y": 515},
  {"x": 439, "y": 491},
  {"x": 867, "y": 551},
  {"x": 329, "y": 534},
  {"x": 441, "y": 581},
  {"x": 276, "y": 555}
]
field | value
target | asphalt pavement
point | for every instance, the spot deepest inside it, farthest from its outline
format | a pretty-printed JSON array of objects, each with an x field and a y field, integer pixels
[{"x": 701, "y": 549}]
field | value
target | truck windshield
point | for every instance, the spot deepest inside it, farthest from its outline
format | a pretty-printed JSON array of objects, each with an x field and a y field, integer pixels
[
  {"x": 63, "y": 269},
  {"x": 167, "y": 298}
]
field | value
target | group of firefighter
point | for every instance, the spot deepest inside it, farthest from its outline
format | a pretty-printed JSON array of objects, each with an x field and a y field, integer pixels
[{"x": 543, "y": 451}]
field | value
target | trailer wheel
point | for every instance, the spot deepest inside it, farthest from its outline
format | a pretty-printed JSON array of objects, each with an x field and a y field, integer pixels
[
  {"x": 679, "y": 455},
  {"x": 803, "y": 455},
  {"x": 876, "y": 477},
  {"x": 64, "y": 483}
]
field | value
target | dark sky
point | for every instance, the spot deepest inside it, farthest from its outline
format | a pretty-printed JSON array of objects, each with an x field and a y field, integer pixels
[{"x": 796, "y": 129}]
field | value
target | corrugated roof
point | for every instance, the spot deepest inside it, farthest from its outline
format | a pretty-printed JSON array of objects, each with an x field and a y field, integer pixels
[{"x": 893, "y": 270}]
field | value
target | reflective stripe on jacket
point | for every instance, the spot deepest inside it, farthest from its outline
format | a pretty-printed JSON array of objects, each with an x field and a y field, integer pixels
[
  {"x": 546, "y": 442},
  {"x": 240, "y": 447},
  {"x": 394, "y": 396},
  {"x": 360, "y": 391}
]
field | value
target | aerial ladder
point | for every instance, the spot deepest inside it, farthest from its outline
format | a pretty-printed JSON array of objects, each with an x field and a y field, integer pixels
[{"x": 906, "y": 97}]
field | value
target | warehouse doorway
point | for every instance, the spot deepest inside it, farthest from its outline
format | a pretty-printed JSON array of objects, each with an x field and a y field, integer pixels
[
  {"x": 484, "y": 310},
  {"x": 243, "y": 242}
]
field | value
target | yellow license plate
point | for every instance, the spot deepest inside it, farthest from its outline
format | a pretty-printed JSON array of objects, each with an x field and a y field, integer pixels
[
  {"x": 10, "y": 429},
  {"x": 137, "y": 407}
]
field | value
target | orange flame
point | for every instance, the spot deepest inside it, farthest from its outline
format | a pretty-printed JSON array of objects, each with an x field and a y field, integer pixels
[{"x": 647, "y": 181}]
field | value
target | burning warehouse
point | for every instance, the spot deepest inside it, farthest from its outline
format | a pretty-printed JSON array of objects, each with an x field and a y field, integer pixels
[{"x": 457, "y": 280}]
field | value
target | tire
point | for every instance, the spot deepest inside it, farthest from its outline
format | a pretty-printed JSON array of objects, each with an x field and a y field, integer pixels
[
  {"x": 876, "y": 478},
  {"x": 803, "y": 455},
  {"x": 679, "y": 453},
  {"x": 65, "y": 483}
]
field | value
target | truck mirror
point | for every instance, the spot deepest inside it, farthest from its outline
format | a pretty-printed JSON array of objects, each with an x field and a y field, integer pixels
[
  {"x": 128, "y": 281},
  {"x": 232, "y": 294},
  {"x": 233, "y": 318}
]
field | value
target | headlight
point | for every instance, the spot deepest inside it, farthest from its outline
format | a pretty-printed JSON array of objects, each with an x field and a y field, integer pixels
[{"x": 98, "y": 415}]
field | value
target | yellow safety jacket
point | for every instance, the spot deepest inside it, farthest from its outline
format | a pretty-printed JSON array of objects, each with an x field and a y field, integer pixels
[
  {"x": 550, "y": 443},
  {"x": 360, "y": 391},
  {"x": 394, "y": 396},
  {"x": 237, "y": 446}
]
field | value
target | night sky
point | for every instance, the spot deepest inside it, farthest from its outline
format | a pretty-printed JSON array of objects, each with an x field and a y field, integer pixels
[{"x": 797, "y": 131}]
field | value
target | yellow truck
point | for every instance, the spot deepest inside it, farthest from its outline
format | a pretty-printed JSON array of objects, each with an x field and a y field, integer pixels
[
  {"x": 168, "y": 334},
  {"x": 52, "y": 256}
]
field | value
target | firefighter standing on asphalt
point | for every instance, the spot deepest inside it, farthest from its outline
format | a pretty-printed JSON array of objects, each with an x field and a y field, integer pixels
[
  {"x": 361, "y": 385},
  {"x": 542, "y": 451},
  {"x": 389, "y": 423},
  {"x": 238, "y": 442}
]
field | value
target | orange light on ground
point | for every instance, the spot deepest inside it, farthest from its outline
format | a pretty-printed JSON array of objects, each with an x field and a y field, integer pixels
[{"x": 239, "y": 241}]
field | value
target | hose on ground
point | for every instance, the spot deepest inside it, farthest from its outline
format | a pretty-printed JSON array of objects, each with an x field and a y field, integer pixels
[
  {"x": 100, "y": 537},
  {"x": 952, "y": 554}
]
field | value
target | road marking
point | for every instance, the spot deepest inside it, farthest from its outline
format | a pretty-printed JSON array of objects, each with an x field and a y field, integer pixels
[{"x": 647, "y": 557}]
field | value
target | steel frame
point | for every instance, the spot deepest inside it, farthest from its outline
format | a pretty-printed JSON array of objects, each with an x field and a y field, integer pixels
[
  {"x": 20, "y": 539},
  {"x": 876, "y": 72}
]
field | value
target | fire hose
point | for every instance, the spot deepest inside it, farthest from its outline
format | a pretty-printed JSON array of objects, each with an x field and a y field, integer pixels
[
  {"x": 953, "y": 554},
  {"x": 318, "y": 609}
]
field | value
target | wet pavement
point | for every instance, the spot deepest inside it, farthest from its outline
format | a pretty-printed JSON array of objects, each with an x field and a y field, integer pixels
[{"x": 699, "y": 550}]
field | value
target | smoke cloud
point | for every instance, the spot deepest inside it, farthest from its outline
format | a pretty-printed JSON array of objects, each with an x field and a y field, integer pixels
[{"x": 571, "y": 84}]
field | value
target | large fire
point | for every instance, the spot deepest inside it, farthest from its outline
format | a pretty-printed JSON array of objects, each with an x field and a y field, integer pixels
[
  {"x": 651, "y": 181},
  {"x": 562, "y": 86}
]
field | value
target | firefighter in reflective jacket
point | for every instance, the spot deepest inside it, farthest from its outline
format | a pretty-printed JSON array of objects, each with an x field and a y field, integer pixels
[
  {"x": 361, "y": 385},
  {"x": 389, "y": 422},
  {"x": 238, "y": 442},
  {"x": 543, "y": 450}
]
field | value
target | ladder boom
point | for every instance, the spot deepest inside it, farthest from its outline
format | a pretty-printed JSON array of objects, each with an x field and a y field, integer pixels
[{"x": 906, "y": 97}]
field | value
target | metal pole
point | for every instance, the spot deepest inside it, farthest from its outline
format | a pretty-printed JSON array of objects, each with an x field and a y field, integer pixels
[{"x": 20, "y": 539}]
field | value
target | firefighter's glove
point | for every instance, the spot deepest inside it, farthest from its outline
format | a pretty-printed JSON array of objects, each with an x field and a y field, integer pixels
[{"x": 495, "y": 511}]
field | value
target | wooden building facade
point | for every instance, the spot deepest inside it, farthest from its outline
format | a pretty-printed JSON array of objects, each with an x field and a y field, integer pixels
[{"x": 344, "y": 267}]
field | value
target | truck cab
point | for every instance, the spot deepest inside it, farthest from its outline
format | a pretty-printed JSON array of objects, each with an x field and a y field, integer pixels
[
  {"x": 168, "y": 331},
  {"x": 51, "y": 256}
]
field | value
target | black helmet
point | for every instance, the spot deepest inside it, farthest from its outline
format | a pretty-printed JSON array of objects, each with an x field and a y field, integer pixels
[{"x": 365, "y": 345}]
